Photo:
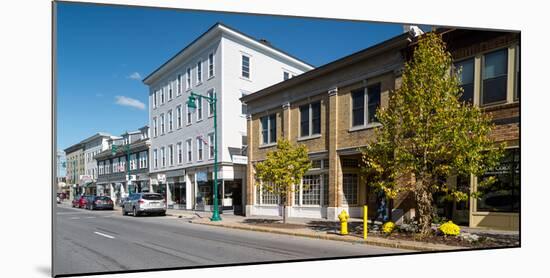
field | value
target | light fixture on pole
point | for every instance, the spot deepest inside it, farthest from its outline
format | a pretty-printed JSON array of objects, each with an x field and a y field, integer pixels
[{"x": 191, "y": 105}]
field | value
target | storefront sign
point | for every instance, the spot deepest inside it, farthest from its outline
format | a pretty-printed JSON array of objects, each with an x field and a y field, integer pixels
[
  {"x": 239, "y": 159},
  {"x": 202, "y": 177},
  {"x": 161, "y": 178}
]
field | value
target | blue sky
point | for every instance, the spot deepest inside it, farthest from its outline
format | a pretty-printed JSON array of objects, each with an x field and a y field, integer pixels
[{"x": 103, "y": 53}]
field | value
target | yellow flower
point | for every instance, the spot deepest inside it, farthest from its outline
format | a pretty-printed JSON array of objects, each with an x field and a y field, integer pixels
[
  {"x": 388, "y": 227},
  {"x": 449, "y": 228}
]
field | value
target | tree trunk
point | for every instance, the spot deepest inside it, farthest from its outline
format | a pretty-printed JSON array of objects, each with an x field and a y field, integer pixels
[
  {"x": 283, "y": 203},
  {"x": 424, "y": 201}
]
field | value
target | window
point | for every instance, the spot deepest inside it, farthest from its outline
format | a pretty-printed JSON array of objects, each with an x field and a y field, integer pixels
[
  {"x": 310, "y": 190},
  {"x": 325, "y": 189},
  {"x": 170, "y": 88},
  {"x": 264, "y": 197},
  {"x": 243, "y": 105},
  {"x": 155, "y": 158},
  {"x": 188, "y": 112},
  {"x": 189, "y": 151},
  {"x": 286, "y": 75},
  {"x": 161, "y": 124},
  {"x": 107, "y": 167},
  {"x": 162, "y": 95},
  {"x": 211, "y": 145},
  {"x": 504, "y": 194},
  {"x": 350, "y": 189},
  {"x": 466, "y": 79},
  {"x": 310, "y": 119},
  {"x": 495, "y": 75},
  {"x": 368, "y": 98},
  {"x": 179, "y": 85},
  {"x": 163, "y": 157},
  {"x": 199, "y": 72},
  {"x": 178, "y": 116},
  {"x": 171, "y": 155},
  {"x": 268, "y": 129},
  {"x": 517, "y": 92},
  {"x": 199, "y": 108},
  {"x": 142, "y": 160},
  {"x": 155, "y": 129},
  {"x": 245, "y": 66},
  {"x": 210, "y": 103},
  {"x": 211, "y": 65},
  {"x": 199, "y": 148},
  {"x": 155, "y": 99},
  {"x": 188, "y": 81},
  {"x": 180, "y": 153},
  {"x": 170, "y": 125},
  {"x": 133, "y": 161}
]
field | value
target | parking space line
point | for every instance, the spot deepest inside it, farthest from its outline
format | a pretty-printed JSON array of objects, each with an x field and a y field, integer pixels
[{"x": 104, "y": 235}]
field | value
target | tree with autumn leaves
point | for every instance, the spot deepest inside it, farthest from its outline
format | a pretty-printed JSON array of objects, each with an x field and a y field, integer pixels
[{"x": 427, "y": 133}]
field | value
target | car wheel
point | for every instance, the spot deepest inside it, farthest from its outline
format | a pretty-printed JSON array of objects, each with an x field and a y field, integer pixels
[
  {"x": 135, "y": 212},
  {"x": 162, "y": 213}
]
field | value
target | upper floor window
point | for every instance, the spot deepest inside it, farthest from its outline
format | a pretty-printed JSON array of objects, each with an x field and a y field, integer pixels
[
  {"x": 179, "y": 85},
  {"x": 199, "y": 72},
  {"x": 494, "y": 77},
  {"x": 188, "y": 80},
  {"x": 162, "y": 92},
  {"x": 245, "y": 66},
  {"x": 162, "y": 124},
  {"x": 310, "y": 119},
  {"x": 180, "y": 153},
  {"x": 162, "y": 157},
  {"x": 243, "y": 105},
  {"x": 189, "y": 150},
  {"x": 466, "y": 79},
  {"x": 200, "y": 144},
  {"x": 199, "y": 109},
  {"x": 155, "y": 158},
  {"x": 170, "y": 125},
  {"x": 155, "y": 129},
  {"x": 170, "y": 90},
  {"x": 210, "y": 65},
  {"x": 178, "y": 116},
  {"x": 188, "y": 112},
  {"x": 171, "y": 155},
  {"x": 155, "y": 99},
  {"x": 269, "y": 129},
  {"x": 365, "y": 101},
  {"x": 210, "y": 103},
  {"x": 211, "y": 145}
]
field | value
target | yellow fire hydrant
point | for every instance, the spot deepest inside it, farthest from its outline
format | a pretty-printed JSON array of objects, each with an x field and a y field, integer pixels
[{"x": 344, "y": 216}]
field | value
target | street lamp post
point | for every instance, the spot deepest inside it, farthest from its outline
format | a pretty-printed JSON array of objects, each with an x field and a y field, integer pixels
[
  {"x": 114, "y": 149},
  {"x": 74, "y": 179},
  {"x": 192, "y": 105}
]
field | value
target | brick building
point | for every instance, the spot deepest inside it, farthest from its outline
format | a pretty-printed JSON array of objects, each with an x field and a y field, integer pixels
[{"x": 331, "y": 110}]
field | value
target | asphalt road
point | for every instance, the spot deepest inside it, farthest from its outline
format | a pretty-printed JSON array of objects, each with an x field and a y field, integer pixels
[{"x": 99, "y": 241}]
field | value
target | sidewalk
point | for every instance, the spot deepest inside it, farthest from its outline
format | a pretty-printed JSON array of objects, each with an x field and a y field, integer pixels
[{"x": 312, "y": 228}]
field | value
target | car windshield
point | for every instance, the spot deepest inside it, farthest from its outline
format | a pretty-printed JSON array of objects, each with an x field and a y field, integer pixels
[
  {"x": 152, "y": 197},
  {"x": 105, "y": 198}
]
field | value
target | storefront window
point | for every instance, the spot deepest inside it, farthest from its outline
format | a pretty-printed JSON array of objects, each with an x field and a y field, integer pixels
[{"x": 504, "y": 194}]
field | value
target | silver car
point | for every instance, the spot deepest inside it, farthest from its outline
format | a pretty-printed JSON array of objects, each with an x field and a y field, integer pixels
[{"x": 144, "y": 203}]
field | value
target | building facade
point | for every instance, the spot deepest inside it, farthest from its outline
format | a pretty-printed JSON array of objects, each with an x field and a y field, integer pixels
[
  {"x": 75, "y": 169},
  {"x": 225, "y": 64},
  {"x": 331, "y": 111},
  {"x": 93, "y": 145},
  {"x": 116, "y": 178}
]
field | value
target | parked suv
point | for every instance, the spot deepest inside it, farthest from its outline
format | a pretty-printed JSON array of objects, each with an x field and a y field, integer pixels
[{"x": 144, "y": 203}]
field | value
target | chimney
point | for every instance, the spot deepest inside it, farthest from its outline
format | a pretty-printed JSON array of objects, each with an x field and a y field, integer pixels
[{"x": 264, "y": 41}]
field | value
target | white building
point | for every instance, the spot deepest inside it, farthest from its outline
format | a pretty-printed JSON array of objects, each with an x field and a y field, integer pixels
[{"x": 226, "y": 64}]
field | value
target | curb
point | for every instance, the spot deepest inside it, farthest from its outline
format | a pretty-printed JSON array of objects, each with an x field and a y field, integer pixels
[{"x": 377, "y": 242}]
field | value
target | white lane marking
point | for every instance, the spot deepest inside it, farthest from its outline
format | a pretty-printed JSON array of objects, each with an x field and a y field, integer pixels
[
  {"x": 75, "y": 217},
  {"x": 89, "y": 217},
  {"x": 105, "y": 235}
]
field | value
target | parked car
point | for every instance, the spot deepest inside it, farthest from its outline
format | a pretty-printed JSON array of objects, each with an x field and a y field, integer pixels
[
  {"x": 74, "y": 203},
  {"x": 99, "y": 202},
  {"x": 82, "y": 201},
  {"x": 144, "y": 203},
  {"x": 122, "y": 201}
]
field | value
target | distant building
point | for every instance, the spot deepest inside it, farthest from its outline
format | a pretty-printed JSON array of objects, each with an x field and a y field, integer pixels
[
  {"x": 75, "y": 168},
  {"x": 227, "y": 64},
  {"x": 113, "y": 179}
]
